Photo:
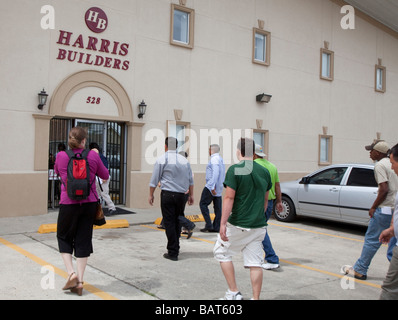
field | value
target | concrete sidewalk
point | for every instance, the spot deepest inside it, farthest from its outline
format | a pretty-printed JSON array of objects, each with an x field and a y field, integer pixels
[{"x": 128, "y": 263}]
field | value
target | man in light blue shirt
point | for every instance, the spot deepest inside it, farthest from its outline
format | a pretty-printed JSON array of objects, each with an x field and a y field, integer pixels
[
  {"x": 212, "y": 192},
  {"x": 174, "y": 173}
]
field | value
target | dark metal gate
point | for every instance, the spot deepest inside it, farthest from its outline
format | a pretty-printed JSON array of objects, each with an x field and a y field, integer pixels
[
  {"x": 59, "y": 129},
  {"x": 110, "y": 136},
  {"x": 115, "y": 153}
]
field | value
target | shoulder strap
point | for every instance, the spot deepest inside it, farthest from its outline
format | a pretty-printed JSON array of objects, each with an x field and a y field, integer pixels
[
  {"x": 70, "y": 153},
  {"x": 85, "y": 153}
]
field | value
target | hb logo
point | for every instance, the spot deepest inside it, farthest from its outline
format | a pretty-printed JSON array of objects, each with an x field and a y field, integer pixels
[{"x": 96, "y": 20}]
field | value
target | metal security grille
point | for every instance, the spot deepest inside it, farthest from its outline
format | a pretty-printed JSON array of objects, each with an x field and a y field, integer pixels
[
  {"x": 115, "y": 154},
  {"x": 59, "y": 129},
  {"x": 110, "y": 136}
]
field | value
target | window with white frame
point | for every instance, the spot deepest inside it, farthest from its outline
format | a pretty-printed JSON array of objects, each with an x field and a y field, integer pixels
[
  {"x": 182, "y": 24},
  {"x": 260, "y": 137},
  {"x": 261, "y": 47},
  {"x": 180, "y": 131},
  {"x": 325, "y": 150},
  {"x": 327, "y": 64},
  {"x": 380, "y": 79}
]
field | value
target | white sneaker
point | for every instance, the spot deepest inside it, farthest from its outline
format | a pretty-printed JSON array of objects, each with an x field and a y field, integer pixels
[
  {"x": 270, "y": 266},
  {"x": 232, "y": 296}
]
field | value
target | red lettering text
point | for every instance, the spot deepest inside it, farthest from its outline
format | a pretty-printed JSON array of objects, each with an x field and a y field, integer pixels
[
  {"x": 124, "y": 49},
  {"x": 64, "y": 37},
  {"x": 92, "y": 42},
  {"x": 79, "y": 42},
  {"x": 61, "y": 54},
  {"x": 104, "y": 45},
  {"x": 126, "y": 65}
]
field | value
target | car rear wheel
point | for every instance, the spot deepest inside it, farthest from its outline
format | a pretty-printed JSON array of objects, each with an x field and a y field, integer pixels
[{"x": 289, "y": 211}]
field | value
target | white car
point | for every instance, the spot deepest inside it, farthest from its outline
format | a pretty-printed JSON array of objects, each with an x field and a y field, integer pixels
[{"x": 343, "y": 192}]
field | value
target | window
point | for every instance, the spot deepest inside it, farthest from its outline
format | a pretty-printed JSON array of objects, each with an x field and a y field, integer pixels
[
  {"x": 327, "y": 64},
  {"x": 380, "y": 79},
  {"x": 325, "y": 150},
  {"x": 260, "y": 137},
  {"x": 180, "y": 131},
  {"x": 332, "y": 176},
  {"x": 261, "y": 47},
  {"x": 182, "y": 22},
  {"x": 361, "y": 177}
]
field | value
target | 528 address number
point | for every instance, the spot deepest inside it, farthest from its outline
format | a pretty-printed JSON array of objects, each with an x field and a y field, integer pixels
[{"x": 93, "y": 100}]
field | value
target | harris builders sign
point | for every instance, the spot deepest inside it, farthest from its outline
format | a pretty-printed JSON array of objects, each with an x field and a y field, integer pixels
[{"x": 75, "y": 46}]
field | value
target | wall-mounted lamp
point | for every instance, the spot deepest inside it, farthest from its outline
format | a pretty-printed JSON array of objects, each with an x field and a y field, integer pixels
[
  {"x": 42, "y": 99},
  {"x": 142, "y": 109},
  {"x": 263, "y": 98}
]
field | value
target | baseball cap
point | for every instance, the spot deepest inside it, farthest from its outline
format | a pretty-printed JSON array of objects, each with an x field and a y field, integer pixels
[
  {"x": 380, "y": 146},
  {"x": 371, "y": 146},
  {"x": 259, "y": 151}
]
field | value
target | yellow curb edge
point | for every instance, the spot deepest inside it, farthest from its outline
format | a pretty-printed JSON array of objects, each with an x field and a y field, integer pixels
[
  {"x": 193, "y": 218},
  {"x": 110, "y": 224}
]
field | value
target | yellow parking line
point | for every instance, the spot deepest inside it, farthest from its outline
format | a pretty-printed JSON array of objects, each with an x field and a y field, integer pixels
[
  {"x": 340, "y": 276},
  {"x": 330, "y": 273},
  {"x": 62, "y": 273}
]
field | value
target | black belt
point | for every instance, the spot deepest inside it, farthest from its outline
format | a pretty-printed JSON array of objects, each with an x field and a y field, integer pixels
[{"x": 172, "y": 192}]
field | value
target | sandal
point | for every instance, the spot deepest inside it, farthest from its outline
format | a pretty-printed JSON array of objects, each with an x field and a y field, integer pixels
[
  {"x": 78, "y": 290},
  {"x": 71, "y": 283}
]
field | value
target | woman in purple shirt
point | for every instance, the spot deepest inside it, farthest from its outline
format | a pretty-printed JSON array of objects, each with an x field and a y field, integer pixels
[{"x": 76, "y": 218}]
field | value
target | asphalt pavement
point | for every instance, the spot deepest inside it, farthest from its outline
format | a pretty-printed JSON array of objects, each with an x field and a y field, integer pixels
[{"x": 128, "y": 263}]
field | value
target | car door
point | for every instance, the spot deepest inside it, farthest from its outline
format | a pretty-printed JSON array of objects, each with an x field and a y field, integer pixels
[
  {"x": 358, "y": 195},
  {"x": 319, "y": 196}
]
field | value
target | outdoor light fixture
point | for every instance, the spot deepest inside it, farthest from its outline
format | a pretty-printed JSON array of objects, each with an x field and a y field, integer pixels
[
  {"x": 142, "y": 109},
  {"x": 263, "y": 98},
  {"x": 42, "y": 99}
]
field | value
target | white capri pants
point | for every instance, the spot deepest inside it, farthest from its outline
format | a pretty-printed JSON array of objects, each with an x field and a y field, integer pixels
[{"x": 247, "y": 241}]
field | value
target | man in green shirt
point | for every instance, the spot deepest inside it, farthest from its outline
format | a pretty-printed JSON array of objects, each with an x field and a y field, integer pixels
[
  {"x": 272, "y": 260},
  {"x": 243, "y": 224}
]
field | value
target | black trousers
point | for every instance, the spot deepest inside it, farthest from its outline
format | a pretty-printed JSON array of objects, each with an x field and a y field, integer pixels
[
  {"x": 75, "y": 228},
  {"x": 172, "y": 205},
  {"x": 205, "y": 200}
]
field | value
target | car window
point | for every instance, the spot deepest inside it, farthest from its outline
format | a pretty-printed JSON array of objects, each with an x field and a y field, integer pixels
[
  {"x": 361, "y": 177},
  {"x": 331, "y": 176}
]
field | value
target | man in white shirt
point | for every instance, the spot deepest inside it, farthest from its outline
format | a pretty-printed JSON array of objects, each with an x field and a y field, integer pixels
[
  {"x": 381, "y": 211},
  {"x": 390, "y": 284}
]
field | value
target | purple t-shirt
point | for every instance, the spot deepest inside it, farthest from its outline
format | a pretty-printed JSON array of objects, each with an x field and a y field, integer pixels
[{"x": 96, "y": 168}]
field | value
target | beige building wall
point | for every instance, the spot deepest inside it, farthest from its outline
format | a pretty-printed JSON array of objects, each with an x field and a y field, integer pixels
[{"x": 214, "y": 84}]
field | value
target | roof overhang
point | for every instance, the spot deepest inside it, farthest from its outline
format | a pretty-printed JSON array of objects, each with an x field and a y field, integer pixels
[{"x": 383, "y": 12}]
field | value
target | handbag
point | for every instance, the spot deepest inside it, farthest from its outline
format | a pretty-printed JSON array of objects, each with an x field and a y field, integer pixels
[{"x": 99, "y": 216}]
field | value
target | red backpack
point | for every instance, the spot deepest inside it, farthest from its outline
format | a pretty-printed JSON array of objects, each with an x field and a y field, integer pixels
[{"x": 78, "y": 183}]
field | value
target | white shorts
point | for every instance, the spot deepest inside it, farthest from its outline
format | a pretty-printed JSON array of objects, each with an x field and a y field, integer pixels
[{"x": 247, "y": 241}]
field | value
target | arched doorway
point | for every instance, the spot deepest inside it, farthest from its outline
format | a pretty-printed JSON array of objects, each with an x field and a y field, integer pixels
[
  {"x": 90, "y": 96},
  {"x": 77, "y": 84}
]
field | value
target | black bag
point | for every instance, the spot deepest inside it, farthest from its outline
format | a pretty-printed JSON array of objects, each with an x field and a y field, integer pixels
[
  {"x": 99, "y": 216},
  {"x": 78, "y": 183}
]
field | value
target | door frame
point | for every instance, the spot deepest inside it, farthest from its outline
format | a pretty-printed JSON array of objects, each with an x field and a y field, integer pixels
[{"x": 57, "y": 108}]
